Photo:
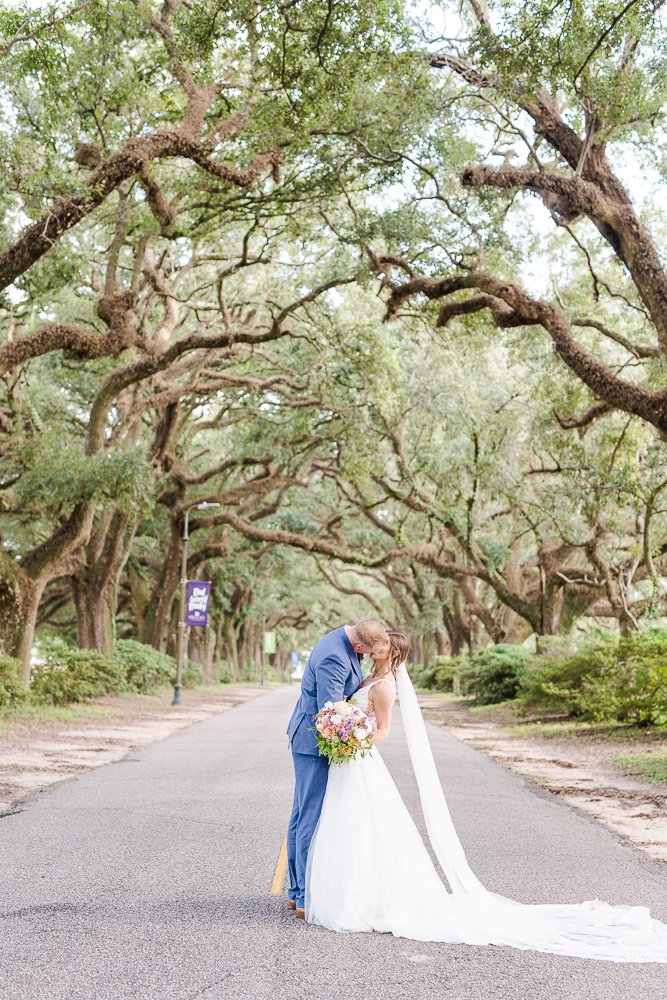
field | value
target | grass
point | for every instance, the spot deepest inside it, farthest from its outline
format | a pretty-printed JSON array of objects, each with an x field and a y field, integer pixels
[
  {"x": 439, "y": 695},
  {"x": 19, "y": 715},
  {"x": 9, "y": 718},
  {"x": 505, "y": 715},
  {"x": 572, "y": 729},
  {"x": 537, "y": 779},
  {"x": 649, "y": 766}
]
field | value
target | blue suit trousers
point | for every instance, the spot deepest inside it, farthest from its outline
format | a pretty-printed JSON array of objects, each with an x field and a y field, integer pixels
[{"x": 310, "y": 773}]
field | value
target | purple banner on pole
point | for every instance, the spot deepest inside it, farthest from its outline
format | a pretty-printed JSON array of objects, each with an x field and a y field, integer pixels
[{"x": 196, "y": 602}]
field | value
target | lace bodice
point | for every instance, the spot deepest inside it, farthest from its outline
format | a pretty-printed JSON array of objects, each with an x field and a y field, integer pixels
[{"x": 360, "y": 696}]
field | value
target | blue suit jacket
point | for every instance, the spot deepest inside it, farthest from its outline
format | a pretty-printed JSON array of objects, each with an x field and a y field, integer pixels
[{"x": 333, "y": 672}]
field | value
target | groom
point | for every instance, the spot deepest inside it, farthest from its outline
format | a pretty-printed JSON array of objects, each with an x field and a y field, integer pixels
[{"x": 333, "y": 672}]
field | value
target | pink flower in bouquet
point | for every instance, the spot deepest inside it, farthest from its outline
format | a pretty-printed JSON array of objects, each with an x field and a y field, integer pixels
[{"x": 342, "y": 731}]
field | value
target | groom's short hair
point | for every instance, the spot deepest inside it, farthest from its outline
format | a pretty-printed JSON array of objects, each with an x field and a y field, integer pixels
[{"x": 369, "y": 631}]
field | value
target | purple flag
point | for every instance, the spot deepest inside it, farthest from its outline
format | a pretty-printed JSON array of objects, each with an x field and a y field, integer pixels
[{"x": 196, "y": 602}]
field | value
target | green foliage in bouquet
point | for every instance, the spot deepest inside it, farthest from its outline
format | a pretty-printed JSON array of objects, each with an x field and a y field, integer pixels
[{"x": 337, "y": 751}]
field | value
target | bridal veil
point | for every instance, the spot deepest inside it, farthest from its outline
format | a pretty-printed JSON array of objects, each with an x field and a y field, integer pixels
[{"x": 592, "y": 929}]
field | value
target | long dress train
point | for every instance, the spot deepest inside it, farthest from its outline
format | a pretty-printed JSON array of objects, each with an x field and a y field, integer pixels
[{"x": 388, "y": 883}]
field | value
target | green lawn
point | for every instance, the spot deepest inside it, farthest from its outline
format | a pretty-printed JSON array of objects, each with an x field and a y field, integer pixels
[{"x": 649, "y": 766}]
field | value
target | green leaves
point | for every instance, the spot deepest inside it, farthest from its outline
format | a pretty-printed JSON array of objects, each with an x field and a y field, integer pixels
[
  {"x": 606, "y": 55},
  {"x": 59, "y": 475}
]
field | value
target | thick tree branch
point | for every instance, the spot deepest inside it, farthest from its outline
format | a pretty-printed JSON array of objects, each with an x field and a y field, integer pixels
[
  {"x": 132, "y": 158},
  {"x": 516, "y": 307}
]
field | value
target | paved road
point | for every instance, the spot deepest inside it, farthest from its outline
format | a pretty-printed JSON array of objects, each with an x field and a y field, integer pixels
[{"x": 149, "y": 878}]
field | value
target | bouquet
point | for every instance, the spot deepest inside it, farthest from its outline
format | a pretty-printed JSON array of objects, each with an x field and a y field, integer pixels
[{"x": 342, "y": 731}]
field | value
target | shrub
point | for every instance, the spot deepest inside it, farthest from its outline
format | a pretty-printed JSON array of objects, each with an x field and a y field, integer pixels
[
  {"x": 225, "y": 673},
  {"x": 193, "y": 675},
  {"x": 12, "y": 692},
  {"x": 550, "y": 683},
  {"x": 630, "y": 692},
  {"x": 70, "y": 675},
  {"x": 250, "y": 672},
  {"x": 608, "y": 680},
  {"x": 145, "y": 668},
  {"x": 494, "y": 674},
  {"x": 439, "y": 677}
]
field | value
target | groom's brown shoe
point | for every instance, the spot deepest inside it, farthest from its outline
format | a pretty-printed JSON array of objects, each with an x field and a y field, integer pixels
[
  {"x": 292, "y": 904},
  {"x": 301, "y": 914}
]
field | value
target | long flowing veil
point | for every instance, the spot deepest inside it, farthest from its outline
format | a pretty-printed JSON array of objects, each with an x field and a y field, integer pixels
[
  {"x": 592, "y": 929},
  {"x": 441, "y": 831}
]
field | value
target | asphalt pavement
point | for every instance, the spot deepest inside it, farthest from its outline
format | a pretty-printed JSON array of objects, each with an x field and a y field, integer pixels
[{"x": 150, "y": 878}]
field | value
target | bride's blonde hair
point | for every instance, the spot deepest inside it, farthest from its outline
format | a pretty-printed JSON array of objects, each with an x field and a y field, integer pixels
[{"x": 400, "y": 647}]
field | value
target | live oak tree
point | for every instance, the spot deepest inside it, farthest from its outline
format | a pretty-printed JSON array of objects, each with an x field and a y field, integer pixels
[
  {"x": 194, "y": 225},
  {"x": 172, "y": 128},
  {"x": 561, "y": 92}
]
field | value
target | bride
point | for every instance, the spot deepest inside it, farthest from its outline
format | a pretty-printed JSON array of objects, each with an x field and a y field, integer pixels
[{"x": 389, "y": 883}]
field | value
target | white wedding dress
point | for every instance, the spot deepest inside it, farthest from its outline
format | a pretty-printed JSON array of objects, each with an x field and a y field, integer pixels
[{"x": 388, "y": 883}]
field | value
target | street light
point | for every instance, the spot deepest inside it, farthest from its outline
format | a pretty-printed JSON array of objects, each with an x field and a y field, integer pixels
[{"x": 180, "y": 639}]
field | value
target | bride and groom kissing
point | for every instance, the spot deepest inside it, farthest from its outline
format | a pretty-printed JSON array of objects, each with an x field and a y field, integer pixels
[{"x": 356, "y": 859}]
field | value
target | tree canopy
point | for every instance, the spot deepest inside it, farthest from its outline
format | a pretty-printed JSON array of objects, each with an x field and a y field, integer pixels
[{"x": 385, "y": 283}]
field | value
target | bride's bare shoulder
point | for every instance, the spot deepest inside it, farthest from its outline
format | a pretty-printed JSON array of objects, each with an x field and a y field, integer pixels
[{"x": 383, "y": 692}]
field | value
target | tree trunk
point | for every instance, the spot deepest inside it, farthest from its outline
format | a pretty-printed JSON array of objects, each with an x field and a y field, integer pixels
[
  {"x": 441, "y": 642},
  {"x": 15, "y": 596},
  {"x": 160, "y": 605},
  {"x": 202, "y": 647},
  {"x": 19, "y": 601},
  {"x": 515, "y": 628},
  {"x": 95, "y": 613},
  {"x": 21, "y": 588},
  {"x": 24, "y": 647},
  {"x": 231, "y": 646},
  {"x": 418, "y": 649},
  {"x": 283, "y": 663},
  {"x": 458, "y": 635},
  {"x": 95, "y": 584},
  {"x": 140, "y": 596}
]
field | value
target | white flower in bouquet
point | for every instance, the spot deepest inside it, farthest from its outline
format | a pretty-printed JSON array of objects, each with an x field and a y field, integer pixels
[{"x": 344, "y": 734}]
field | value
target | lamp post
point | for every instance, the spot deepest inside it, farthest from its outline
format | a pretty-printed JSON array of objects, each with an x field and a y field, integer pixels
[{"x": 180, "y": 639}]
